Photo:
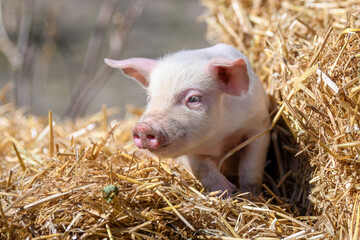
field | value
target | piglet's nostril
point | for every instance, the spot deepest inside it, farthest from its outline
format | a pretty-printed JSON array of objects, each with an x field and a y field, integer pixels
[
  {"x": 136, "y": 136},
  {"x": 150, "y": 136}
]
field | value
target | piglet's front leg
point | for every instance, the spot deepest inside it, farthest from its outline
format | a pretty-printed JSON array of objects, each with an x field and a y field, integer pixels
[
  {"x": 251, "y": 167},
  {"x": 205, "y": 170}
]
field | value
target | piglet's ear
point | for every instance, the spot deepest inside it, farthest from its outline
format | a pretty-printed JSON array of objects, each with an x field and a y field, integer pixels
[
  {"x": 232, "y": 74},
  {"x": 136, "y": 68}
]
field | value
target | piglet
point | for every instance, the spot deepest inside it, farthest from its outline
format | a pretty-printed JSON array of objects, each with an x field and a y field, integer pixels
[{"x": 201, "y": 104}]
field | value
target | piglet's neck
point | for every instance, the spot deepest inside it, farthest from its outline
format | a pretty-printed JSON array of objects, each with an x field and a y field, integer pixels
[{"x": 219, "y": 148}]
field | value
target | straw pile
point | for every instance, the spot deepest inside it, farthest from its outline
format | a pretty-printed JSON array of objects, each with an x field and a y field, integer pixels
[
  {"x": 87, "y": 180},
  {"x": 307, "y": 55}
]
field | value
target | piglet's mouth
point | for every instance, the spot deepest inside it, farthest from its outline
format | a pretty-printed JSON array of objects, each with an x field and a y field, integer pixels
[
  {"x": 165, "y": 150},
  {"x": 161, "y": 149}
]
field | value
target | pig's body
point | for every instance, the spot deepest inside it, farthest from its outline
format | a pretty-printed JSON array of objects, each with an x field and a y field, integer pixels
[{"x": 202, "y": 104}]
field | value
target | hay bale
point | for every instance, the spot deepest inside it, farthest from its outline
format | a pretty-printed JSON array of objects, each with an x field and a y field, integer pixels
[
  {"x": 307, "y": 55},
  {"x": 96, "y": 185}
]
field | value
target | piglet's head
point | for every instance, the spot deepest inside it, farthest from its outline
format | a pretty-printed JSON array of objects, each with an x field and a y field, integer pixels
[{"x": 184, "y": 109}]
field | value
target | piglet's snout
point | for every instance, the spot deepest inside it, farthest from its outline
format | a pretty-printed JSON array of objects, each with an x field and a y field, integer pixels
[{"x": 147, "y": 137}]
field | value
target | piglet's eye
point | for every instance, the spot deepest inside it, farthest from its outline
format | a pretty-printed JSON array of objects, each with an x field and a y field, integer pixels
[{"x": 193, "y": 99}]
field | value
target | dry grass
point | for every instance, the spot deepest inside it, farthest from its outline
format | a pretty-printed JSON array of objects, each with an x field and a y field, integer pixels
[
  {"x": 52, "y": 181},
  {"x": 307, "y": 55},
  {"x": 60, "y": 195}
]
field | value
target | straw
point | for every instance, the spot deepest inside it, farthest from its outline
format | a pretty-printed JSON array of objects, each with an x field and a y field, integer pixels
[
  {"x": 291, "y": 45},
  {"x": 156, "y": 198},
  {"x": 308, "y": 61}
]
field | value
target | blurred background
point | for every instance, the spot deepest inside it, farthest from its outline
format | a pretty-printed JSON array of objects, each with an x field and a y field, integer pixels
[{"x": 52, "y": 51}]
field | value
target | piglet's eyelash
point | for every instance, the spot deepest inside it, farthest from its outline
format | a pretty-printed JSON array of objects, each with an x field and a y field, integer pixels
[{"x": 193, "y": 99}]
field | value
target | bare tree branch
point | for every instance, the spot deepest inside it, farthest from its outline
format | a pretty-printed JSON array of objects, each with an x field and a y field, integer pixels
[
  {"x": 83, "y": 94},
  {"x": 7, "y": 47},
  {"x": 46, "y": 54},
  {"x": 70, "y": 64},
  {"x": 96, "y": 39},
  {"x": 105, "y": 14},
  {"x": 22, "y": 85}
]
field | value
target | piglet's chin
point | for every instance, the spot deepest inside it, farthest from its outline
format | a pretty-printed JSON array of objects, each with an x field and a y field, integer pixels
[{"x": 167, "y": 151}]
